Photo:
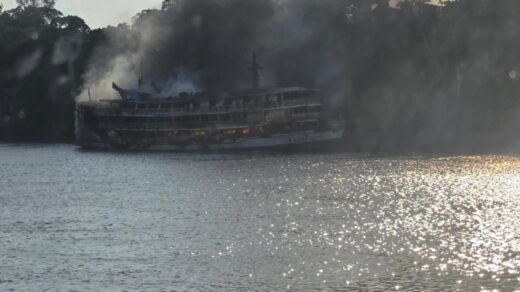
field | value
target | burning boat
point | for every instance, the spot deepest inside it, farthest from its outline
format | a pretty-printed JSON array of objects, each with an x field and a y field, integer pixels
[{"x": 247, "y": 119}]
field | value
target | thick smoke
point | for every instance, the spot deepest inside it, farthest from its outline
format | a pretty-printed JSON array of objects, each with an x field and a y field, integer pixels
[
  {"x": 206, "y": 45},
  {"x": 413, "y": 76}
]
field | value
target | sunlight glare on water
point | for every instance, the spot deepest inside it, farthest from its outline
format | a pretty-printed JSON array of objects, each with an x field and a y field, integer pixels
[{"x": 247, "y": 221}]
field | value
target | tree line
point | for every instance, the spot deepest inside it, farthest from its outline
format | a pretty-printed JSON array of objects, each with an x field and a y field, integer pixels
[{"x": 408, "y": 76}]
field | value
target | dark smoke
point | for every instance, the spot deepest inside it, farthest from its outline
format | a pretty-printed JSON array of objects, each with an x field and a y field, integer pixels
[
  {"x": 416, "y": 77},
  {"x": 298, "y": 43}
]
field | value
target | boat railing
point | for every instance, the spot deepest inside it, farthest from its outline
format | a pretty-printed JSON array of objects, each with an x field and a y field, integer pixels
[
  {"x": 164, "y": 124},
  {"x": 161, "y": 110},
  {"x": 159, "y": 127}
]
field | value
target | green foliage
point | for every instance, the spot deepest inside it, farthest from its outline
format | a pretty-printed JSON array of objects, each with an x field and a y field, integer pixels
[
  {"x": 143, "y": 16},
  {"x": 36, "y": 3},
  {"x": 42, "y": 59},
  {"x": 70, "y": 23},
  {"x": 167, "y": 4}
]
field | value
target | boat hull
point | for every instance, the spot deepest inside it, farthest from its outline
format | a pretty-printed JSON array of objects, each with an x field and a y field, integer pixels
[{"x": 279, "y": 140}]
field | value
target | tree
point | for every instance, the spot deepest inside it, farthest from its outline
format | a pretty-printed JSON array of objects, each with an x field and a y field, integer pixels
[
  {"x": 34, "y": 15},
  {"x": 70, "y": 23},
  {"x": 166, "y": 4},
  {"x": 36, "y": 3},
  {"x": 143, "y": 16},
  {"x": 42, "y": 56}
]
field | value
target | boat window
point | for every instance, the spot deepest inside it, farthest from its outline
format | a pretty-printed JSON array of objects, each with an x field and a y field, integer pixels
[
  {"x": 178, "y": 105},
  {"x": 273, "y": 99},
  {"x": 237, "y": 117},
  {"x": 225, "y": 117},
  {"x": 314, "y": 109}
]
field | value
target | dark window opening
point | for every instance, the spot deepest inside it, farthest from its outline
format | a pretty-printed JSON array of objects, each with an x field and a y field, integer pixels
[{"x": 226, "y": 117}]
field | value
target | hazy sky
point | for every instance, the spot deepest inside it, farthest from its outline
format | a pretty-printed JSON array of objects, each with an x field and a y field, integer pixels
[{"x": 99, "y": 13}]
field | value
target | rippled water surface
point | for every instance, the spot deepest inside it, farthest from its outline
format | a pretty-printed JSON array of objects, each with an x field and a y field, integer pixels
[{"x": 75, "y": 220}]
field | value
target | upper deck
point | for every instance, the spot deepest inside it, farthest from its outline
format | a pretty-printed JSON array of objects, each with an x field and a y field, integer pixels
[{"x": 206, "y": 103}]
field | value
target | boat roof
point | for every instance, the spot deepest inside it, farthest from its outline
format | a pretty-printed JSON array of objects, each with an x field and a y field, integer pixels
[{"x": 204, "y": 96}]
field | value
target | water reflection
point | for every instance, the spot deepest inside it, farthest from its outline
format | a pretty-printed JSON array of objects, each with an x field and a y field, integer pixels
[{"x": 258, "y": 221}]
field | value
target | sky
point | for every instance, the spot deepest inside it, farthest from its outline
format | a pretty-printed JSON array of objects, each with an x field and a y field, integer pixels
[{"x": 99, "y": 13}]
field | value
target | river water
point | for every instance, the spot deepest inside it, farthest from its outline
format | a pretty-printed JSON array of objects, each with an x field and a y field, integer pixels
[{"x": 76, "y": 220}]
